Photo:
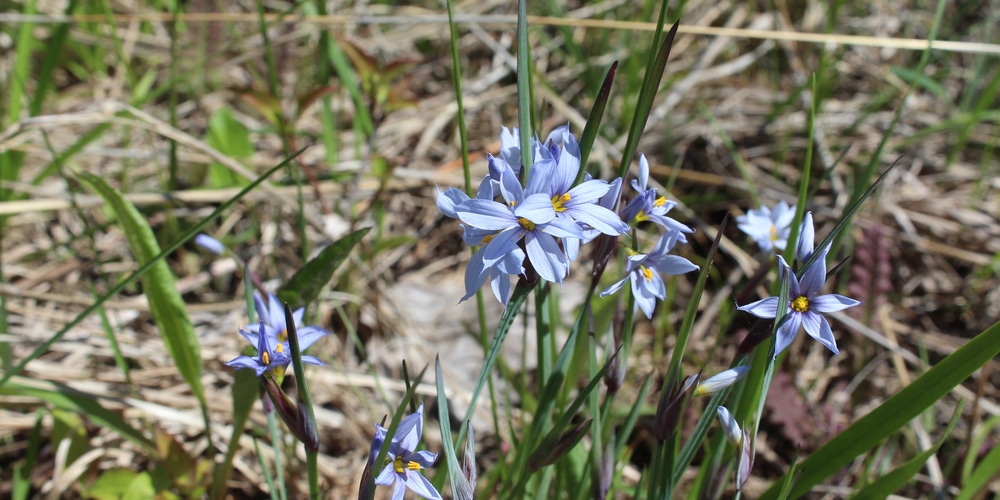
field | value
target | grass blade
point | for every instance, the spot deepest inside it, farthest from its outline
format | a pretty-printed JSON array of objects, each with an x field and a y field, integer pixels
[
  {"x": 305, "y": 285},
  {"x": 895, "y": 412},
  {"x": 165, "y": 302}
]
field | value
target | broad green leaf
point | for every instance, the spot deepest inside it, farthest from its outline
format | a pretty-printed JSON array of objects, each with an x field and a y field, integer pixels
[
  {"x": 307, "y": 282},
  {"x": 165, "y": 302},
  {"x": 897, "y": 479},
  {"x": 143, "y": 269},
  {"x": 65, "y": 397},
  {"x": 231, "y": 138},
  {"x": 112, "y": 484},
  {"x": 987, "y": 470},
  {"x": 69, "y": 425},
  {"x": 142, "y": 488},
  {"x": 894, "y": 413}
]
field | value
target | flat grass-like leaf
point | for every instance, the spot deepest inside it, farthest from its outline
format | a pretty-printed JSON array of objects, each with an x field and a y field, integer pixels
[
  {"x": 165, "y": 302},
  {"x": 894, "y": 413},
  {"x": 459, "y": 488},
  {"x": 65, "y": 397},
  {"x": 897, "y": 479},
  {"x": 307, "y": 282}
]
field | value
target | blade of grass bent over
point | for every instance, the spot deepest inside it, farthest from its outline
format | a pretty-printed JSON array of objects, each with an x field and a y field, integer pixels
[
  {"x": 41, "y": 349},
  {"x": 895, "y": 412},
  {"x": 165, "y": 302}
]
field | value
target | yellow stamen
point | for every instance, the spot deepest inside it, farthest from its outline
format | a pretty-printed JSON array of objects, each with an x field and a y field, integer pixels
[
  {"x": 647, "y": 273},
  {"x": 283, "y": 336},
  {"x": 399, "y": 466},
  {"x": 265, "y": 358},
  {"x": 488, "y": 238},
  {"x": 641, "y": 216},
  {"x": 660, "y": 201},
  {"x": 800, "y": 304},
  {"x": 774, "y": 233},
  {"x": 280, "y": 347},
  {"x": 559, "y": 202},
  {"x": 525, "y": 223}
]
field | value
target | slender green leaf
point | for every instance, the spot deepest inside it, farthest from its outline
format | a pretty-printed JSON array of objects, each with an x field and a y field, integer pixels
[
  {"x": 451, "y": 458},
  {"x": 984, "y": 473},
  {"x": 44, "y": 346},
  {"x": 897, "y": 479},
  {"x": 65, "y": 397},
  {"x": 165, "y": 302},
  {"x": 594, "y": 121},
  {"x": 305, "y": 285},
  {"x": 524, "y": 104},
  {"x": 895, "y": 412}
]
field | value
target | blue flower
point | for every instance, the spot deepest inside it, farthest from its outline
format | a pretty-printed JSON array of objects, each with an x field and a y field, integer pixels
[
  {"x": 768, "y": 228},
  {"x": 405, "y": 463},
  {"x": 644, "y": 271},
  {"x": 648, "y": 207},
  {"x": 805, "y": 247},
  {"x": 269, "y": 356},
  {"x": 209, "y": 243},
  {"x": 272, "y": 317},
  {"x": 524, "y": 215},
  {"x": 555, "y": 178},
  {"x": 805, "y": 305}
]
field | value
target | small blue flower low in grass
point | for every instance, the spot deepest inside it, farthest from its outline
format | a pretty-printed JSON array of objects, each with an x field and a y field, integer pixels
[
  {"x": 768, "y": 228},
  {"x": 805, "y": 305},
  {"x": 272, "y": 322},
  {"x": 270, "y": 355},
  {"x": 644, "y": 272},
  {"x": 405, "y": 463}
]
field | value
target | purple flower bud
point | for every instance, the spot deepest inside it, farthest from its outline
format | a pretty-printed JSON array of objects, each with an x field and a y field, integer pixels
[{"x": 209, "y": 243}]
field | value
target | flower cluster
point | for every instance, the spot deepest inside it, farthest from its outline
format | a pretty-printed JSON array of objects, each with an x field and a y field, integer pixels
[{"x": 542, "y": 223}]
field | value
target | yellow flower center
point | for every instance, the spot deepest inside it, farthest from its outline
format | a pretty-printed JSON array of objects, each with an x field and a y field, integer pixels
[
  {"x": 283, "y": 336},
  {"x": 399, "y": 466},
  {"x": 774, "y": 234},
  {"x": 525, "y": 223},
  {"x": 559, "y": 202},
  {"x": 641, "y": 216},
  {"x": 265, "y": 358},
  {"x": 800, "y": 304},
  {"x": 488, "y": 238},
  {"x": 646, "y": 273},
  {"x": 660, "y": 201}
]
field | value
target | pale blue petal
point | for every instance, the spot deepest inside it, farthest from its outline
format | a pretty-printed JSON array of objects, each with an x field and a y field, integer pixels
[
  {"x": 546, "y": 256},
  {"x": 500, "y": 283},
  {"x": 448, "y": 199},
  {"x": 475, "y": 273},
  {"x": 501, "y": 245},
  {"x": 209, "y": 243},
  {"x": 825, "y": 335},
  {"x": 786, "y": 333},
  {"x": 831, "y": 303},
  {"x": 308, "y": 335},
  {"x": 262, "y": 312},
  {"x": 421, "y": 486},
  {"x": 813, "y": 278},
  {"x": 410, "y": 429},
  {"x": 807, "y": 235},
  {"x": 399, "y": 490},
  {"x": 615, "y": 287},
  {"x": 510, "y": 186},
  {"x": 537, "y": 208},
  {"x": 485, "y": 214},
  {"x": 312, "y": 360},
  {"x": 672, "y": 265},
  {"x": 563, "y": 228},
  {"x": 599, "y": 218},
  {"x": 277, "y": 312},
  {"x": 764, "y": 308},
  {"x": 540, "y": 179},
  {"x": 588, "y": 192}
]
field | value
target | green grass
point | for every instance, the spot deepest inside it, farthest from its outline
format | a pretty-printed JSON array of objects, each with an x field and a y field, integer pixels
[{"x": 350, "y": 113}]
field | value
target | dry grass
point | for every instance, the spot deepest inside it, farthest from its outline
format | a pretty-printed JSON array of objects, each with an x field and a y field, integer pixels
[{"x": 937, "y": 215}]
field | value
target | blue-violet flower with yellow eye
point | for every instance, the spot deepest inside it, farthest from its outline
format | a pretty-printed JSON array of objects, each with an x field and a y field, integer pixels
[
  {"x": 405, "y": 463},
  {"x": 272, "y": 316},
  {"x": 646, "y": 206},
  {"x": 270, "y": 356},
  {"x": 805, "y": 305},
  {"x": 644, "y": 271}
]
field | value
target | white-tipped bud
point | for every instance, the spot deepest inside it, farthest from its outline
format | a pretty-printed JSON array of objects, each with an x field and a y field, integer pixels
[
  {"x": 721, "y": 381},
  {"x": 733, "y": 432},
  {"x": 209, "y": 243}
]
